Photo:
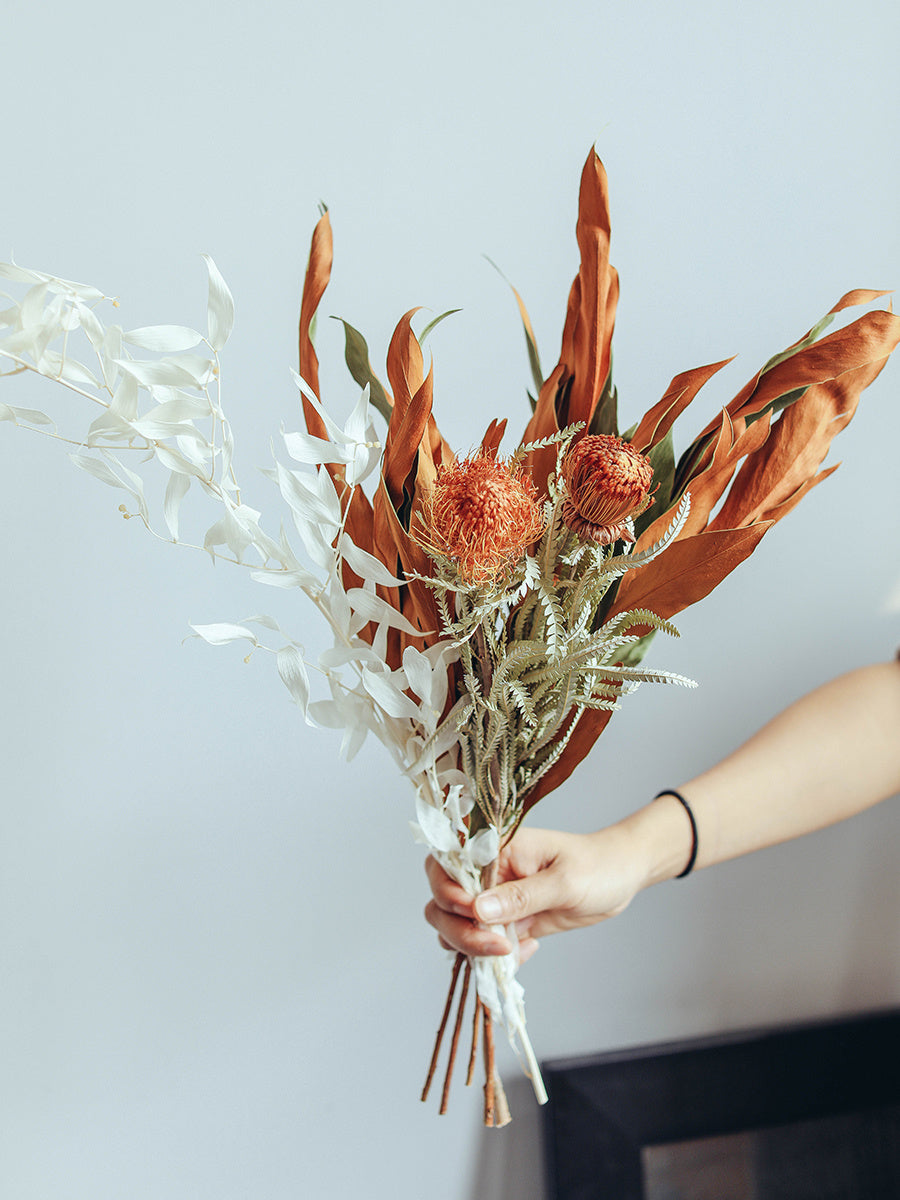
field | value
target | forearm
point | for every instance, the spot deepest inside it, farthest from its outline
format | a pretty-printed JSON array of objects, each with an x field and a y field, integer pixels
[
  {"x": 833, "y": 753},
  {"x": 826, "y": 757}
]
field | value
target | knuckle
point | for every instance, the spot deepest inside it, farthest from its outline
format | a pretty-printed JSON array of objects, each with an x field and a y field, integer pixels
[{"x": 516, "y": 899}]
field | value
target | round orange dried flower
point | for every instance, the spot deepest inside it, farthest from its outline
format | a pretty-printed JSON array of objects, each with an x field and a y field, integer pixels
[
  {"x": 482, "y": 512},
  {"x": 607, "y": 482}
]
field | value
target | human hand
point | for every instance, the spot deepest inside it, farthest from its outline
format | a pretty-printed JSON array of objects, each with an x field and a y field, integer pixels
[{"x": 547, "y": 882}]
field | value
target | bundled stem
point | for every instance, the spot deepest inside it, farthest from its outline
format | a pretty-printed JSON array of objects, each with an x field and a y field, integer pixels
[{"x": 496, "y": 1108}]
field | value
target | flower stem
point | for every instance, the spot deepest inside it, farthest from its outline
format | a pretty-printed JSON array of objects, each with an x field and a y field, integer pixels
[
  {"x": 473, "y": 1053},
  {"x": 455, "y": 1042},
  {"x": 440, "y": 1033}
]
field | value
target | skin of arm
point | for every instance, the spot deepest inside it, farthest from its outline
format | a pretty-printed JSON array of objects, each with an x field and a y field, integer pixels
[{"x": 833, "y": 753}]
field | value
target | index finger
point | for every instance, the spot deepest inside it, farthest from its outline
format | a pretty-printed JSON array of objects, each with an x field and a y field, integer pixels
[{"x": 448, "y": 894}]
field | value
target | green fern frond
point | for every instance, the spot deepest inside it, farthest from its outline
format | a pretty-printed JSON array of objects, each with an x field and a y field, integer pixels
[
  {"x": 613, "y": 671},
  {"x": 554, "y": 439},
  {"x": 551, "y": 756},
  {"x": 473, "y": 683},
  {"x": 522, "y": 701},
  {"x": 636, "y": 616},
  {"x": 516, "y": 661},
  {"x": 553, "y": 619},
  {"x": 628, "y": 562},
  {"x": 589, "y": 701}
]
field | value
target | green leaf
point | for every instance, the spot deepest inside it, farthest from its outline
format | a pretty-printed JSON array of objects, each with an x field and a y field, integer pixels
[
  {"x": 534, "y": 359},
  {"x": 432, "y": 324},
  {"x": 662, "y": 459},
  {"x": 630, "y": 656},
  {"x": 629, "y": 432},
  {"x": 807, "y": 341},
  {"x": 778, "y": 404},
  {"x": 356, "y": 356},
  {"x": 688, "y": 461},
  {"x": 606, "y": 415}
]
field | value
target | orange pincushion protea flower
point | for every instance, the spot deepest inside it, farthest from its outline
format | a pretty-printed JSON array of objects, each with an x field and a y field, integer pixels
[
  {"x": 607, "y": 482},
  {"x": 481, "y": 513}
]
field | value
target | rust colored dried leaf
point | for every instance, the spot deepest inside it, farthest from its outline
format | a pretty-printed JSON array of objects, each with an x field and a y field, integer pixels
[
  {"x": 797, "y": 445},
  {"x": 571, "y": 391},
  {"x": 543, "y": 424},
  {"x": 400, "y": 553},
  {"x": 688, "y": 570},
  {"x": 736, "y": 441},
  {"x": 589, "y": 728},
  {"x": 404, "y": 441},
  {"x": 493, "y": 436},
  {"x": 587, "y": 338},
  {"x": 869, "y": 339},
  {"x": 656, "y": 423},
  {"x": 412, "y": 428},
  {"x": 405, "y": 365},
  {"x": 318, "y": 273}
]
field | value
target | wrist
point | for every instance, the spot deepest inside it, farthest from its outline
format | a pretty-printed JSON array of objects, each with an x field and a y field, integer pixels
[{"x": 664, "y": 839}]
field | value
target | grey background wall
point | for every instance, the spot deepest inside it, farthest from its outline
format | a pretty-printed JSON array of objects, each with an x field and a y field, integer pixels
[{"x": 216, "y": 977}]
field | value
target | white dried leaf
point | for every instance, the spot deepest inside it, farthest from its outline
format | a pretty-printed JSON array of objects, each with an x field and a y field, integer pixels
[
  {"x": 309, "y": 450},
  {"x": 167, "y": 339},
  {"x": 373, "y": 608},
  {"x": 91, "y": 325},
  {"x": 354, "y": 737},
  {"x": 32, "y": 307},
  {"x": 175, "y": 461},
  {"x": 220, "y": 309},
  {"x": 325, "y": 490},
  {"x": 292, "y": 670},
  {"x": 176, "y": 490},
  {"x": 305, "y": 500},
  {"x": 221, "y": 633},
  {"x": 339, "y": 656},
  {"x": 419, "y": 673},
  {"x": 125, "y": 398},
  {"x": 236, "y": 529},
  {"x": 164, "y": 372},
  {"x": 286, "y": 579},
  {"x": 366, "y": 565},
  {"x": 199, "y": 452},
  {"x": 327, "y": 713},
  {"x": 137, "y": 484},
  {"x": 359, "y": 424},
  {"x": 160, "y": 430},
  {"x": 333, "y": 430},
  {"x": 387, "y": 695},
  {"x": 363, "y": 461},
  {"x": 31, "y": 416},
  {"x": 484, "y": 847},
  {"x": 436, "y": 827},
  {"x": 69, "y": 369},
  {"x": 99, "y": 470},
  {"x": 197, "y": 366},
  {"x": 24, "y": 275}
]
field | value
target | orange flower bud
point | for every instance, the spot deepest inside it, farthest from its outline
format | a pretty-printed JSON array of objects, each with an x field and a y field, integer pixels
[
  {"x": 607, "y": 483},
  {"x": 482, "y": 513}
]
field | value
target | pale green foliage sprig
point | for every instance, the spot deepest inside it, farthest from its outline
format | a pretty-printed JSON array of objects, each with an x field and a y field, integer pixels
[{"x": 535, "y": 653}]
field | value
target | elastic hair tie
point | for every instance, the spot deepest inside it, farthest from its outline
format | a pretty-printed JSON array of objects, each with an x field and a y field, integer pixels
[{"x": 695, "y": 839}]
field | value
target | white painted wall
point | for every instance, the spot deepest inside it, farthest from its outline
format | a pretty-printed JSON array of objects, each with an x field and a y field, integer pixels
[{"x": 215, "y": 984}]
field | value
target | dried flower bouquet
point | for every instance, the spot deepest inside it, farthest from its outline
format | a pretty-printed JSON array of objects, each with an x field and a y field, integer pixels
[{"x": 488, "y": 613}]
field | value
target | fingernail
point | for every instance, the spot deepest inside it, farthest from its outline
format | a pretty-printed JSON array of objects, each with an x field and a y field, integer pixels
[{"x": 488, "y": 908}]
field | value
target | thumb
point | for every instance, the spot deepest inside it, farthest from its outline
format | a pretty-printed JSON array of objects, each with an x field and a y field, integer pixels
[{"x": 517, "y": 899}]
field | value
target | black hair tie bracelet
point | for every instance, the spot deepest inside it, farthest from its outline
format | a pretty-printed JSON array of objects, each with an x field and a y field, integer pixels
[{"x": 694, "y": 836}]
